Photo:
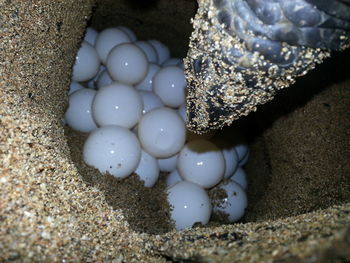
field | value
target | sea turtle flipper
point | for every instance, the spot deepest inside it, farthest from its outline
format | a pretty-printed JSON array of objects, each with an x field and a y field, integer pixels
[{"x": 243, "y": 51}]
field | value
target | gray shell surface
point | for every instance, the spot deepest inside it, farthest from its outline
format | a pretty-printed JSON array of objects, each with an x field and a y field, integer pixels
[{"x": 242, "y": 52}]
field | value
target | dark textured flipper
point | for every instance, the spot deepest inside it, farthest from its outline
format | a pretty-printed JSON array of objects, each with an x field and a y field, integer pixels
[{"x": 243, "y": 51}]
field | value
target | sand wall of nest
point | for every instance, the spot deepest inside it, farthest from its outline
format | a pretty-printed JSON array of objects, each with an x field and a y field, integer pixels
[{"x": 50, "y": 213}]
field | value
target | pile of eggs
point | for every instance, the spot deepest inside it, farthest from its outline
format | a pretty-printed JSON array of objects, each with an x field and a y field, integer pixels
[{"x": 129, "y": 95}]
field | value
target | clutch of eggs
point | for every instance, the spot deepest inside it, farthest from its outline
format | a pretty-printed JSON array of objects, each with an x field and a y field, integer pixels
[{"x": 129, "y": 95}]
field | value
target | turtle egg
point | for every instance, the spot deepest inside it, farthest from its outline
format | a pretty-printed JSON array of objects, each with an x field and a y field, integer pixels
[
  {"x": 87, "y": 63},
  {"x": 190, "y": 204},
  {"x": 103, "y": 79},
  {"x": 234, "y": 204},
  {"x": 127, "y": 64},
  {"x": 161, "y": 49},
  {"x": 240, "y": 177},
  {"x": 92, "y": 83},
  {"x": 169, "y": 84},
  {"x": 112, "y": 149},
  {"x": 107, "y": 39},
  {"x": 237, "y": 139},
  {"x": 149, "y": 51},
  {"x": 182, "y": 112},
  {"x": 78, "y": 115},
  {"x": 230, "y": 155},
  {"x": 162, "y": 132},
  {"x": 241, "y": 150},
  {"x": 117, "y": 104},
  {"x": 181, "y": 66},
  {"x": 150, "y": 101},
  {"x": 146, "y": 83},
  {"x": 90, "y": 35},
  {"x": 74, "y": 86},
  {"x": 173, "y": 178},
  {"x": 231, "y": 161},
  {"x": 148, "y": 169},
  {"x": 201, "y": 162},
  {"x": 245, "y": 159},
  {"x": 167, "y": 164},
  {"x": 129, "y": 32},
  {"x": 172, "y": 62}
]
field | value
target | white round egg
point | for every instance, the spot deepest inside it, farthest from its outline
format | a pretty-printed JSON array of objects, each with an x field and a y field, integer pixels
[
  {"x": 129, "y": 32},
  {"x": 173, "y": 178},
  {"x": 87, "y": 63},
  {"x": 117, "y": 104},
  {"x": 112, "y": 149},
  {"x": 107, "y": 39},
  {"x": 241, "y": 150},
  {"x": 161, "y": 132},
  {"x": 167, "y": 164},
  {"x": 148, "y": 169},
  {"x": 161, "y": 49},
  {"x": 150, "y": 101},
  {"x": 172, "y": 62},
  {"x": 92, "y": 83},
  {"x": 74, "y": 86},
  {"x": 230, "y": 155},
  {"x": 245, "y": 159},
  {"x": 149, "y": 51},
  {"x": 90, "y": 35},
  {"x": 182, "y": 112},
  {"x": 147, "y": 82},
  {"x": 127, "y": 64},
  {"x": 234, "y": 204},
  {"x": 189, "y": 204},
  {"x": 237, "y": 139},
  {"x": 240, "y": 177},
  {"x": 169, "y": 84},
  {"x": 201, "y": 162},
  {"x": 231, "y": 161},
  {"x": 104, "y": 79},
  {"x": 78, "y": 115}
]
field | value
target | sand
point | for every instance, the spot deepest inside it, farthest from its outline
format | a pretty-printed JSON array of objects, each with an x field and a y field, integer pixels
[{"x": 53, "y": 209}]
